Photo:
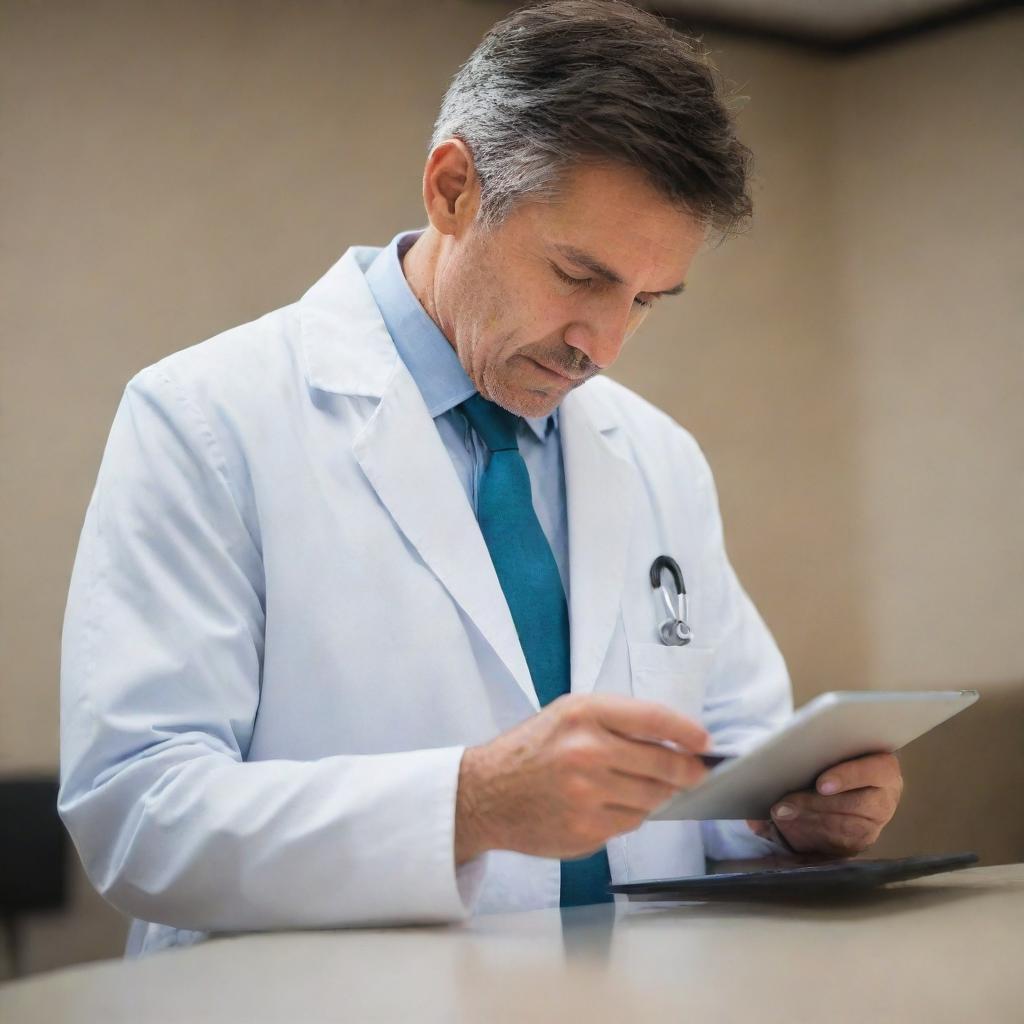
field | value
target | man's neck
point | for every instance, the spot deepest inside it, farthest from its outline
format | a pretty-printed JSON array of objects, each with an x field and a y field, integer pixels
[{"x": 419, "y": 265}]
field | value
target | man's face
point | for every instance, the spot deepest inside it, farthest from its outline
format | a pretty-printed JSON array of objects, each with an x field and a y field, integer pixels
[{"x": 531, "y": 306}]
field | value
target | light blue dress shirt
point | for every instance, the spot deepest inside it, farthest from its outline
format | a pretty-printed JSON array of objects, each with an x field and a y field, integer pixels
[{"x": 435, "y": 367}]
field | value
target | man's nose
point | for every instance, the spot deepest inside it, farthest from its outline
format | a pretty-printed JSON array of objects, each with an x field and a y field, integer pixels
[{"x": 601, "y": 336}]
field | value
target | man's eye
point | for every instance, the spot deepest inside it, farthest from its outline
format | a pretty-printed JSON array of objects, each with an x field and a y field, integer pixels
[
  {"x": 587, "y": 282},
  {"x": 584, "y": 282}
]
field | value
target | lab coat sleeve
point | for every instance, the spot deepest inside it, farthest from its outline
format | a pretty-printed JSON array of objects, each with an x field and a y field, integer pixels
[
  {"x": 748, "y": 692},
  {"x": 161, "y": 659}
]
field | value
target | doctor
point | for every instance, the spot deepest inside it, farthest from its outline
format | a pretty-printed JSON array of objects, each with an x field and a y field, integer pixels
[{"x": 360, "y": 629}]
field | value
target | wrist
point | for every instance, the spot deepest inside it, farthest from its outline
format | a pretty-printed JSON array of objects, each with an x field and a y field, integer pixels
[{"x": 471, "y": 832}]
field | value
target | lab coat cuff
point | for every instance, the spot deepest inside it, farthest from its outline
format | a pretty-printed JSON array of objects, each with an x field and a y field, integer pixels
[
  {"x": 461, "y": 884},
  {"x": 425, "y": 886}
]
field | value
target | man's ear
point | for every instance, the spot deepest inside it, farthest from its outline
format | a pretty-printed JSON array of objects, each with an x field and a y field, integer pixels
[{"x": 451, "y": 188}]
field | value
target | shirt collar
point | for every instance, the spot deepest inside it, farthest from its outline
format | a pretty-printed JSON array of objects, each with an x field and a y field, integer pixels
[{"x": 426, "y": 352}]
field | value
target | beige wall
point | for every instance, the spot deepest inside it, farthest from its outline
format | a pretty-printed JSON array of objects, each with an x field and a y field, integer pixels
[
  {"x": 929, "y": 203},
  {"x": 929, "y": 200},
  {"x": 850, "y": 365}
]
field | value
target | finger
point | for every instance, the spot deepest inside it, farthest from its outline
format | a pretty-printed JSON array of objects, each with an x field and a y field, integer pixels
[
  {"x": 870, "y": 770},
  {"x": 870, "y": 802},
  {"x": 845, "y": 834},
  {"x": 653, "y": 761},
  {"x": 629, "y": 716}
]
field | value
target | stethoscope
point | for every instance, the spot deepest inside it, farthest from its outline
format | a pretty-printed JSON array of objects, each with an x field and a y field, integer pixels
[{"x": 674, "y": 631}]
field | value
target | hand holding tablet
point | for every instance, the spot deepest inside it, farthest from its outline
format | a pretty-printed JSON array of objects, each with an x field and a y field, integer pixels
[{"x": 844, "y": 813}]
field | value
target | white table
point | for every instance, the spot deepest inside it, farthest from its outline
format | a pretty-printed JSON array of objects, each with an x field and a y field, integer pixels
[{"x": 944, "y": 948}]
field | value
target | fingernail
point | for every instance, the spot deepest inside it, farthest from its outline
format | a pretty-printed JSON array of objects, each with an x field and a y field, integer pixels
[
  {"x": 828, "y": 787},
  {"x": 784, "y": 811}
]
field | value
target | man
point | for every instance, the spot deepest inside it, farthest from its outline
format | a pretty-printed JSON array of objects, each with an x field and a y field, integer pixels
[{"x": 361, "y": 628}]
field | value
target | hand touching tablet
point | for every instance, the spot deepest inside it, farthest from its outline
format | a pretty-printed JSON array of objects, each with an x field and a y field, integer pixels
[{"x": 851, "y": 803}]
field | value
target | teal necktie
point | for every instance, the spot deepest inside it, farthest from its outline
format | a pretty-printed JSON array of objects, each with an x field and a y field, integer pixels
[{"x": 529, "y": 578}]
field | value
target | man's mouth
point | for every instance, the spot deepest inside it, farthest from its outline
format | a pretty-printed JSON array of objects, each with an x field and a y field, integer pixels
[{"x": 564, "y": 377}]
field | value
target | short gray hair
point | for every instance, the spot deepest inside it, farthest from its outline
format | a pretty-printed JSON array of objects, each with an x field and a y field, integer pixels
[{"x": 566, "y": 82}]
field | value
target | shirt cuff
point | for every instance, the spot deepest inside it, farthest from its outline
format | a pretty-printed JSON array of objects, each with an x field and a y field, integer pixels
[
  {"x": 469, "y": 879},
  {"x": 733, "y": 839}
]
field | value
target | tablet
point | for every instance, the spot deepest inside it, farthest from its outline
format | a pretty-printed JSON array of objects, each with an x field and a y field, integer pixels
[
  {"x": 834, "y": 727},
  {"x": 835, "y": 878}
]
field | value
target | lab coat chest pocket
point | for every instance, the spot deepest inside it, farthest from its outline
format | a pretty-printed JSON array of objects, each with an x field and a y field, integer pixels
[{"x": 674, "y": 676}]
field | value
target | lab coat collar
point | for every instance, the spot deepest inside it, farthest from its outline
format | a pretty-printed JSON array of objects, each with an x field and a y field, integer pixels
[{"x": 345, "y": 345}]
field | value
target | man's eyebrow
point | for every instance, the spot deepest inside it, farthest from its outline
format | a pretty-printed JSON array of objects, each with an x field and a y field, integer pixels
[{"x": 595, "y": 266}]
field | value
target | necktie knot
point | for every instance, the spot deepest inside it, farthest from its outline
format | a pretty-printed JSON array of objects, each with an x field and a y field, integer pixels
[{"x": 495, "y": 426}]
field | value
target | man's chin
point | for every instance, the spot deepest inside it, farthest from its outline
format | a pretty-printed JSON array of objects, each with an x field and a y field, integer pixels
[
  {"x": 526, "y": 399},
  {"x": 532, "y": 402}
]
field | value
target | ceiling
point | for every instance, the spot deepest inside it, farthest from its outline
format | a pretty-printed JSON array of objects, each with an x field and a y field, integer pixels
[{"x": 830, "y": 24}]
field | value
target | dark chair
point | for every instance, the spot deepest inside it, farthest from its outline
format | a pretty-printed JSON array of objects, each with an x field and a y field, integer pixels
[{"x": 33, "y": 855}]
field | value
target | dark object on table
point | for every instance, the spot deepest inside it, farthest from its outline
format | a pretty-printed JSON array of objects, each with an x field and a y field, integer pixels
[{"x": 842, "y": 877}]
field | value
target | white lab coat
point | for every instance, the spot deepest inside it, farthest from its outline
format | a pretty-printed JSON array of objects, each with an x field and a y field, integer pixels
[{"x": 284, "y": 627}]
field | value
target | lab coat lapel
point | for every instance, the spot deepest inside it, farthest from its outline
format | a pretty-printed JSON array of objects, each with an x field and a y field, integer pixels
[
  {"x": 347, "y": 350},
  {"x": 405, "y": 460},
  {"x": 599, "y": 495}
]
